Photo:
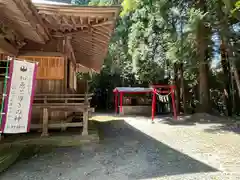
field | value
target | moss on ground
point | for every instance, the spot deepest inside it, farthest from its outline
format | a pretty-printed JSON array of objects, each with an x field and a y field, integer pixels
[
  {"x": 24, "y": 147},
  {"x": 9, "y": 154}
]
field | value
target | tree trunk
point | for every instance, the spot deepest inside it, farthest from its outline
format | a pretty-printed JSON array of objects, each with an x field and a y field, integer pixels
[
  {"x": 202, "y": 45},
  {"x": 224, "y": 31},
  {"x": 203, "y": 69},
  {"x": 232, "y": 61},
  {"x": 204, "y": 87},
  {"x": 227, "y": 79},
  {"x": 183, "y": 94},
  {"x": 176, "y": 82},
  {"x": 236, "y": 77}
]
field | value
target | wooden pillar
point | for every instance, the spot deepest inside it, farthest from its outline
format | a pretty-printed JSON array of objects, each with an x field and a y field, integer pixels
[
  {"x": 85, "y": 122},
  {"x": 85, "y": 115},
  {"x": 66, "y": 74},
  {"x": 63, "y": 127},
  {"x": 45, "y": 122}
]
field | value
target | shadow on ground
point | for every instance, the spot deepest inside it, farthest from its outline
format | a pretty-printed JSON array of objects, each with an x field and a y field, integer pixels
[
  {"x": 191, "y": 120},
  {"x": 215, "y": 124},
  {"x": 228, "y": 127},
  {"x": 157, "y": 158},
  {"x": 123, "y": 153}
]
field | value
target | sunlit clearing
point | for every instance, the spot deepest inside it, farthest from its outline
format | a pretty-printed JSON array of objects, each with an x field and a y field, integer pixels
[{"x": 102, "y": 118}]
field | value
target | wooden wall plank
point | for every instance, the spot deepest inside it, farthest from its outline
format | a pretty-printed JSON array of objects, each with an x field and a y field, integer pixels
[
  {"x": 46, "y": 86},
  {"x": 49, "y": 68}
]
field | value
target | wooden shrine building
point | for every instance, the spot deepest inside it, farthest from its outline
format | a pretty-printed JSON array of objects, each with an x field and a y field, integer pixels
[{"x": 64, "y": 40}]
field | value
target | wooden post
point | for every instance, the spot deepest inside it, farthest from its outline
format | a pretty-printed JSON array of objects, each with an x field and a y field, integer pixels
[
  {"x": 45, "y": 122},
  {"x": 85, "y": 114},
  {"x": 85, "y": 122},
  {"x": 63, "y": 128}
]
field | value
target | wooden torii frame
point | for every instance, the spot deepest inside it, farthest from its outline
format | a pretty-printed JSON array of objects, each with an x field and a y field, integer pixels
[{"x": 138, "y": 90}]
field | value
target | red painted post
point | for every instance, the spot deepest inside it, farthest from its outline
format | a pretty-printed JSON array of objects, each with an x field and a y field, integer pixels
[
  {"x": 173, "y": 103},
  {"x": 121, "y": 101},
  {"x": 116, "y": 101},
  {"x": 153, "y": 103}
]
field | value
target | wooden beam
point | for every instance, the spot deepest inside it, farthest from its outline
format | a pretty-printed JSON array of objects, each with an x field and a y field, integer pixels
[
  {"x": 91, "y": 50},
  {"x": 82, "y": 40},
  {"x": 88, "y": 51},
  {"x": 75, "y": 10},
  {"x": 58, "y": 125},
  {"x": 74, "y": 23},
  {"x": 50, "y": 46},
  {"x": 105, "y": 28},
  {"x": 40, "y": 53},
  {"x": 79, "y": 14},
  {"x": 104, "y": 23},
  {"x": 8, "y": 25},
  {"x": 23, "y": 6},
  {"x": 64, "y": 19},
  {"x": 81, "y": 44},
  {"x": 102, "y": 32},
  {"x": 94, "y": 35},
  {"x": 50, "y": 20},
  {"x": 70, "y": 48},
  {"x": 7, "y": 48},
  {"x": 34, "y": 10},
  {"x": 93, "y": 39}
]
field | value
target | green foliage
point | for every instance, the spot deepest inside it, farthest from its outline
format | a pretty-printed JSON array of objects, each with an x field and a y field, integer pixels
[
  {"x": 81, "y": 2},
  {"x": 151, "y": 36},
  {"x": 129, "y": 6},
  {"x": 232, "y": 8},
  {"x": 237, "y": 7},
  {"x": 85, "y": 76},
  {"x": 103, "y": 2}
]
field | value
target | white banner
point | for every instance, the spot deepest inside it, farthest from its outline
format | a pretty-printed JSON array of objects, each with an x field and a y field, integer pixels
[{"x": 20, "y": 93}]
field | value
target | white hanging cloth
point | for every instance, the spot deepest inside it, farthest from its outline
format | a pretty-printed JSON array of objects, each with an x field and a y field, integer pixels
[{"x": 163, "y": 98}]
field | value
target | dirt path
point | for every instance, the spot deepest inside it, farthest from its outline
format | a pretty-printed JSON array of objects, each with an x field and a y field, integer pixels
[
  {"x": 124, "y": 152},
  {"x": 215, "y": 144}
]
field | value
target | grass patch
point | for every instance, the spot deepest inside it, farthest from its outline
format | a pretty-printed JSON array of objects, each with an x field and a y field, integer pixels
[
  {"x": 27, "y": 147},
  {"x": 9, "y": 154}
]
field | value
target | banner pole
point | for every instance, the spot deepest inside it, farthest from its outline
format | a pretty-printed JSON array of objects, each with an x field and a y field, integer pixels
[{"x": 4, "y": 93}]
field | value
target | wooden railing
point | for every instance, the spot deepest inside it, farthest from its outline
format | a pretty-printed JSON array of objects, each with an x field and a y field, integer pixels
[
  {"x": 43, "y": 100},
  {"x": 63, "y": 102}
]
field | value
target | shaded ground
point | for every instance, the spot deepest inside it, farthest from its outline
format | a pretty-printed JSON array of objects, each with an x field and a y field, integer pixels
[
  {"x": 123, "y": 153},
  {"x": 14, "y": 148}
]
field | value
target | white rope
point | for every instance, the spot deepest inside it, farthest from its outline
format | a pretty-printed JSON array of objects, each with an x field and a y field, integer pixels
[
  {"x": 163, "y": 98},
  {"x": 163, "y": 95}
]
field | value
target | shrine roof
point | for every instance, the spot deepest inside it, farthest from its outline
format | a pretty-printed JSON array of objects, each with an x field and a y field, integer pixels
[{"x": 132, "y": 89}]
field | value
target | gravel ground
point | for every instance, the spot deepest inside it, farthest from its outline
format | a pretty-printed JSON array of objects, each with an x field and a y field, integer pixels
[{"x": 125, "y": 152}]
